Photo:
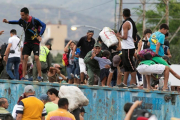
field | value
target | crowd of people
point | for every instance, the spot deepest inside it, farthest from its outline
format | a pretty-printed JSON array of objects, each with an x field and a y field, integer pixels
[
  {"x": 48, "y": 106},
  {"x": 90, "y": 61}
]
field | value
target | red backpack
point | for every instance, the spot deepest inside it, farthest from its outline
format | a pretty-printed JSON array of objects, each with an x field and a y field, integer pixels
[{"x": 65, "y": 59}]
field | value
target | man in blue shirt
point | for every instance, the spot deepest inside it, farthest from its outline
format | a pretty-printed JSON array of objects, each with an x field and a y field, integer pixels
[
  {"x": 33, "y": 30},
  {"x": 157, "y": 40}
]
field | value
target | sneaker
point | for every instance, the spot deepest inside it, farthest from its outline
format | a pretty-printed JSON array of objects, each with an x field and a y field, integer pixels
[
  {"x": 77, "y": 76},
  {"x": 30, "y": 79},
  {"x": 23, "y": 78},
  {"x": 122, "y": 85},
  {"x": 39, "y": 79},
  {"x": 132, "y": 86},
  {"x": 72, "y": 75}
]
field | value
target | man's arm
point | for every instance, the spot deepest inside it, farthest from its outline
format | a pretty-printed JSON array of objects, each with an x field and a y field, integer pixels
[
  {"x": 126, "y": 27},
  {"x": 19, "y": 117},
  {"x": 64, "y": 78},
  {"x": 49, "y": 60},
  {"x": 157, "y": 47},
  {"x": 43, "y": 25},
  {"x": 12, "y": 21},
  {"x": 88, "y": 57},
  {"x": 19, "y": 110},
  {"x": 134, "y": 106},
  {"x": 7, "y": 52}
]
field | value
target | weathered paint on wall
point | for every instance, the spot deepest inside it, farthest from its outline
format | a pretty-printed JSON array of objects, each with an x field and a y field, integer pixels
[{"x": 104, "y": 103}]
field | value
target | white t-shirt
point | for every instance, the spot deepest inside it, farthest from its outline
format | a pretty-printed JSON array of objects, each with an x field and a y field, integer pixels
[
  {"x": 14, "y": 40},
  {"x": 129, "y": 43}
]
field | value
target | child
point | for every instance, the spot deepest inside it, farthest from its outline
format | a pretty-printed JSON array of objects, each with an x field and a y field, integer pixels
[{"x": 104, "y": 72}]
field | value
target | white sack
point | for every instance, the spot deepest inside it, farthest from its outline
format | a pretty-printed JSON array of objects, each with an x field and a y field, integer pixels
[
  {"x": 108, "y": 37},
  {"x": 74, "y": 95}
]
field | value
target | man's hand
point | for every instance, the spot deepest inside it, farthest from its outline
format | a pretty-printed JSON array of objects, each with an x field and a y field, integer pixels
[
  {"x": 1, "y": 32},
  {"x": 39, "y": 38},
  {"x": 93, "y": 54},
  {"x": 107, "y": 66},
  {"x": 5, "y": 21},
  {"x": 69, "y": 42},
  {"x": 5, "y": 58},
  {"x": 138, "y": 103}
]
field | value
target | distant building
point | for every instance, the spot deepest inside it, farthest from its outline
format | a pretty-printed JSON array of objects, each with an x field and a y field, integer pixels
[{"x": 56, "y": 33}]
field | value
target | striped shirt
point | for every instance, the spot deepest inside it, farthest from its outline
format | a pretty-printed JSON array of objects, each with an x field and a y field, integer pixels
[
  {"x": 60, "y": 114},
  {"x": 31, "y": 108}
]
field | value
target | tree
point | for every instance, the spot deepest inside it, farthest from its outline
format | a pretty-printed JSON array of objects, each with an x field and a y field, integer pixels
[{"x": 153, "y": 17}]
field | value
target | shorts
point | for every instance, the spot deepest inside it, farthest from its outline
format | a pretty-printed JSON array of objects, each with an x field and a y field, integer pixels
[
  {"x": 127, "y": 58},
  {"x": 152, "y": 69},
  {"x": 160, "y": 60},
  {"x": 29, "y": 47},
  {"x": 104, "y": 73},
  {"x": 82, "y": 66}
]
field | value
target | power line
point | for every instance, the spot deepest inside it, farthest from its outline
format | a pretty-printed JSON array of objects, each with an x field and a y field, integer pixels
[{"x": 92, "y": 7}]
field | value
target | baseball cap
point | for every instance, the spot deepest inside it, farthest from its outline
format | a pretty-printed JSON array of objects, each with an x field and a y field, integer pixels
[
  {"x": 82, "y": 110},
  {"x": 29, "y": 89},
  {"x": 97, "y": 44},
  {"x": 167, "y": 59},
  {"x": 116, "y": 60},
  {"x": 44, "y": 97},
  {"x": 48, "y": 43}
]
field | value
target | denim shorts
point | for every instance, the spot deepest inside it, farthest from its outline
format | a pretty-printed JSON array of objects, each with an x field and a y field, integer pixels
[{"x": 69, "y": 71}]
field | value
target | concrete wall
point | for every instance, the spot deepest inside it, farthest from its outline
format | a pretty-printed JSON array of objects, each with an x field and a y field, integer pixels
[{"x": 104, "y": 103}]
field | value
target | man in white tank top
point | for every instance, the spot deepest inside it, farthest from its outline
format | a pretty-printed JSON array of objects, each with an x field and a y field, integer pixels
[{"x": 128, "y": 33}]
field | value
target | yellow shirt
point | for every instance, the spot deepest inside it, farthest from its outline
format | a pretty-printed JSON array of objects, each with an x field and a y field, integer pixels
[
  {"x": 31, "y": 108},
  {"x": 60, "y": 114}
]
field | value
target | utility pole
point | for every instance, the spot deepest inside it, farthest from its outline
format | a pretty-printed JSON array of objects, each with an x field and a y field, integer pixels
[
  {"x": 167, "y": 12},
  {"x": 115, "y": 15},
  {"x": 120, "y": 12},
  {"x": 144, "y": 14}
]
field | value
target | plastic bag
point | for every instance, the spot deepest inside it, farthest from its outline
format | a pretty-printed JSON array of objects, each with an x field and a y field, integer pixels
[
  {"x": 74, "y": 95},
  {"x": 108, "y": 37}
]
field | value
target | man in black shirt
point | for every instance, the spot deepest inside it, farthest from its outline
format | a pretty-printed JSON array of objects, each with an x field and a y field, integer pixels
[
  {"x": 86, "y": 44},
  {"x": 33, "y": 29}
]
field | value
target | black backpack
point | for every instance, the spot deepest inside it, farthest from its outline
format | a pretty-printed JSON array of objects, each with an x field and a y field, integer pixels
[
  {"x": 3, "y": 49},
  {"x": 7, "y": 116},
  {"x": 140, "y": 113}
]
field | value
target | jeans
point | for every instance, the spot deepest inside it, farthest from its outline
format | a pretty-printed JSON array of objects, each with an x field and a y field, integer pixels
[
  {"x": 69, "y": 71},
  {"x": 13, "y": 61},
  {"x": 75, "y": 68}
]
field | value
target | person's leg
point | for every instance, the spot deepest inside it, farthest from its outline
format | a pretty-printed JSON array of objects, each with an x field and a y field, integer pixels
[
  {"x": 174, "y": 73},
  {"x": 10, "y": 63},
  {"x": 69, "y": 71},
  {"x": 82, "y": 69},
  {"x": 126, "y": 74},
  {"x": 144, "y": 81},
  {"x": 103, "y": 81},
  {"x": 166, "y": 77},
  {"x": 109, "y": 79},
  {"x": 148, "y": 79},
  {"x": 91, "y": 76},
  {"x": 35, "y": 73},
  {"x": 133, "y": 78},
  {"x": 38, "y": 64},
  {"x": 16, "y": 68}
]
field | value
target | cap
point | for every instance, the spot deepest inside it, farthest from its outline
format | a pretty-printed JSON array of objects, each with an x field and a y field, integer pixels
[
  {"x": 142, "y": 118},
  {"x": 97, "y": 44},
  {"x": 44, "y": 97},
  {"x": 29, "y": 89},
  {"x": 90, "y": 31},
  {"x": 116, "y": 60},
  {"x": 48, "y": 43},
  {"x": 167, "y": 59},
  {"x": 82, "y": 110}
]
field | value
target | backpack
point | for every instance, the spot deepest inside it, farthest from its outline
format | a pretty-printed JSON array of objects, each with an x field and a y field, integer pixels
[
  {"x": 146, "y": 53},
  {"x": 65, "y": 60},
  {"x": 3, "y": 49}
]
